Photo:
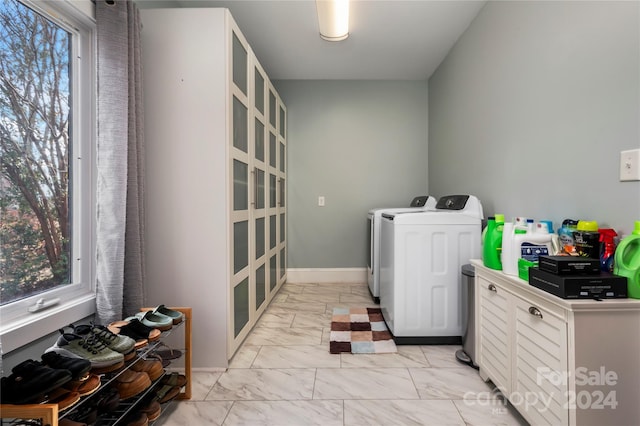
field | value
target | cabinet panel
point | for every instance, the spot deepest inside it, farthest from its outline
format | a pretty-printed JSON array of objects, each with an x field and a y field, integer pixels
[
  {"x": 273, "y": 191},
  {"x": 540, "y": 363},
  {"x": 240, "y": 126},
  {"x": 282, "y": 122},
  {"x": 259, "y": 140},
  {"x": 240, "y": 306},
  {"x": 260, "y": 286},
  {"x": 273, "y": 153},
  {"x": 240, "y": 246},
  {"x": 493, "y": 327},
  {"x": 259, "y": 91},
  {"x": 273, "y": 111},
  {"x": 260, "y": 234},
  {"x": 240, "y": 186},
  {"x": 239, "y": 54},
  {"x": 273, "y": 272}
]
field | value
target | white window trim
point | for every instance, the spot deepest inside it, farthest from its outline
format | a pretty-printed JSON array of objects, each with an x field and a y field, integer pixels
[{"x": 18, "y": 327}]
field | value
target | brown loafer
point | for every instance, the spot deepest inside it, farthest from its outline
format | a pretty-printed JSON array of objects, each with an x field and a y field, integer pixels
[
  {"x": 152, "y": 367},
  {"x": 84, "y": 387},
  {"x": 153, "y": 410},
  {"x": 131, "y": 383},
  {"x": 64, "y": 398}
]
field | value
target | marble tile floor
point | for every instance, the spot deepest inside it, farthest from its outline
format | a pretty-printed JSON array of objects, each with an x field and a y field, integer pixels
[{"x": 284, "y": 375}]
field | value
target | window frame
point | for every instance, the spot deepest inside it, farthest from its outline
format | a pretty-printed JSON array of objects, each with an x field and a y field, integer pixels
[{"x": 18, "y": 326}]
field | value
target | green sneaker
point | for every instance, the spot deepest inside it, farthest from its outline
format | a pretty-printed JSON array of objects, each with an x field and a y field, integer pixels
[
  {"x": 123, "y": 344},
  {"x": 103, "y": 359}
]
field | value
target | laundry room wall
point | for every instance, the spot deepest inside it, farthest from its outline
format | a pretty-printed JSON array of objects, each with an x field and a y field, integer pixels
[
  {"x": 531, "y": 108},
  {"x": 361, "y": 145}
]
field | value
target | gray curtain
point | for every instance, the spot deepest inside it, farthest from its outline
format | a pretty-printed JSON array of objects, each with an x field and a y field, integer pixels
[{"x": 120, "y": 270}]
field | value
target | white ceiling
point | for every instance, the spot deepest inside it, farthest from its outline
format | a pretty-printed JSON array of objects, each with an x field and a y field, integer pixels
[{"x": 389, "y": 39}]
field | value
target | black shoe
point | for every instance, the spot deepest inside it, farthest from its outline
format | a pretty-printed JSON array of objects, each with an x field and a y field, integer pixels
[
  {"x": 108, "y": 400},
  {"x": 79, "y": 367},
  {"x": 137, "y": 330},
  {"x": 30, "y": 381}
]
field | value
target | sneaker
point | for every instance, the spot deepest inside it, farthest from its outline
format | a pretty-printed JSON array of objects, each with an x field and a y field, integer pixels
[
  {"x": 123, "y": 344},
  {"x": 102, "y": 358},
  {"x": 78, "y": 367},
  {"x": 30, "y": 382}
]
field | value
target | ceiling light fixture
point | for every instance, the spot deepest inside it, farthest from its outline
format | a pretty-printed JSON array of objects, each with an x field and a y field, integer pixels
[{"x": 333, "y": 17}]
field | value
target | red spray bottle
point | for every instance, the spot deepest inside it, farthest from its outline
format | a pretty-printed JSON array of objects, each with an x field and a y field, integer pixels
[{"x": 607, "y": 248}]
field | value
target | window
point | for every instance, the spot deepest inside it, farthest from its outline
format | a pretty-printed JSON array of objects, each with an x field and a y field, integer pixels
[{"x": 47, "y": 157}]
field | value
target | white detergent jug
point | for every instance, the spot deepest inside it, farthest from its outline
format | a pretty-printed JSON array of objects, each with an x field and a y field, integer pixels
[{"x": 518, "y": 242}]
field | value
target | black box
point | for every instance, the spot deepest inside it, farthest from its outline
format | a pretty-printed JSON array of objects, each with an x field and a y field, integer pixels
[
  {"x": 601, "y": 286},
  {"x": 569, "y": 265}
]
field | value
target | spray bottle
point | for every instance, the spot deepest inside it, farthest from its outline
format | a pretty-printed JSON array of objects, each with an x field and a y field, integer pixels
[{"x": 607, "y": 248}]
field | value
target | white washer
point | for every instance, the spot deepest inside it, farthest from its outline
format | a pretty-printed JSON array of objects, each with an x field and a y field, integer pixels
[
  {"x": 420, "y": 259},
  {"x": 374, "y": 218}
]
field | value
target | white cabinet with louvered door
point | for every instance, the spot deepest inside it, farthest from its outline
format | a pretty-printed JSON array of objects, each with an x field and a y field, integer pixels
[
  {"x": 539, "y": 360},
  {"x": 494, "y": 359},
  {"x": 561, "y": 362},
  {"x": 212, "y": 178}
]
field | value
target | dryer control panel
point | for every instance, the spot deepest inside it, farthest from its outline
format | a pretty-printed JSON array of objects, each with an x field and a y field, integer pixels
[{"x": 452, "y": 202}]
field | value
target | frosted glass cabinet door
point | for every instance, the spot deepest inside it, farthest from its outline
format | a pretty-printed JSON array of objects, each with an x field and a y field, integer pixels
[
  {"x": 261, "y": 284},
  {"x": 239, "y": 64},
  {"x": 240, "y": 129},
  {"x": 259, "y": 91},
  {"x": 240, "y": 186},
  {"x": 240, "y": 306}
]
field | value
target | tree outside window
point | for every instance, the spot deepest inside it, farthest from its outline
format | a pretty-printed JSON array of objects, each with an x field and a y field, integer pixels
[{"x": 35, "y": 175}]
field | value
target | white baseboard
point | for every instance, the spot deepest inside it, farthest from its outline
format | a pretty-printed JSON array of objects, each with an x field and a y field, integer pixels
[{"x": 327, "y": 275}]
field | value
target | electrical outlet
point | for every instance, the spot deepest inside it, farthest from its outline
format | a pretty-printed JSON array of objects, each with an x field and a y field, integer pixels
[
  {"x": 321, "y": 201},
  {"x": 630, "y": 165}
]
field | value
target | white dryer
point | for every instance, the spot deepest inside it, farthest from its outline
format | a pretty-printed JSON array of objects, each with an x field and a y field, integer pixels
[
  {"x": 374, "y": 217},
  {"x": 420, "y": 260}
]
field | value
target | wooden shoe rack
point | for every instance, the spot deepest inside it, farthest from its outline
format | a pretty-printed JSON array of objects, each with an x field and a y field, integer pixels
[{"x": 48, "y": 414}]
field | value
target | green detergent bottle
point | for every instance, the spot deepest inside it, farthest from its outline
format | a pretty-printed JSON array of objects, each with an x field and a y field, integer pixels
[
  {"x": 492, "y": 246},
  {"x": 627, "y": 261}
]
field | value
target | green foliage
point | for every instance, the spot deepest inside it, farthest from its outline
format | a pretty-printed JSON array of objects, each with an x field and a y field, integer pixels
[{"x": 34, "y": 152}]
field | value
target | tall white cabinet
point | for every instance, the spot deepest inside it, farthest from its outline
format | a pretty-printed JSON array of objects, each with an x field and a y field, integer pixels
[{"x": 215, "y": 131}]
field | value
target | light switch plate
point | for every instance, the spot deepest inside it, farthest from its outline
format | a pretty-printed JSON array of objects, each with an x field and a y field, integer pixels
[{"x": 630, "y": 165}]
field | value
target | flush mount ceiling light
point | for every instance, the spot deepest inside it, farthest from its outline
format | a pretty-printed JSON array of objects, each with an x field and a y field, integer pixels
[{"x": 333, "y": 17}]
